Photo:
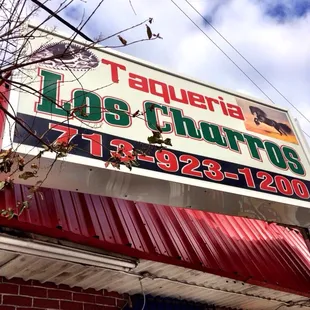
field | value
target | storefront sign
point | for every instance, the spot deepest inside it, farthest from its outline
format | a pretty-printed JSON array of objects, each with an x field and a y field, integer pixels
[{"x": 106, "y": 103}]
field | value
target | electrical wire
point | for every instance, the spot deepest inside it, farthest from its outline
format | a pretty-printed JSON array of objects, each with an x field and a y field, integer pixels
[
  {"x": 254, "y": 83},
  {"x": 55, "y": 15},
  {"x": 306, "y": 133},
  {"x": 222, "y": 50},
  {"x": 247, "y": 61}
]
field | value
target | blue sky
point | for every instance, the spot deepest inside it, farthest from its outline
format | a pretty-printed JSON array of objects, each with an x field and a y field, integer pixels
[
  {"x": 274, "y": 35},
  {"x": 284, "y": 11}
]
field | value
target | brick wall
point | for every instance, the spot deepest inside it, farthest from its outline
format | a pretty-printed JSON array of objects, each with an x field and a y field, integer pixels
[{"x": 16, "y": 294}]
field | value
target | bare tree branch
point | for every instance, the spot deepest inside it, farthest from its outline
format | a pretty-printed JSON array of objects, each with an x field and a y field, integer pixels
[{"x": 18, "y": 58}]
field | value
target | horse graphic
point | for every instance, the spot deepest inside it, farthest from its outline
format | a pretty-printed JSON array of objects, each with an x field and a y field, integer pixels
[{"x": 261, "y": 117}]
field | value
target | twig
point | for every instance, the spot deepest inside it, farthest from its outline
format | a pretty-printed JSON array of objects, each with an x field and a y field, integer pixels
[{"x": 5, "y": 111}]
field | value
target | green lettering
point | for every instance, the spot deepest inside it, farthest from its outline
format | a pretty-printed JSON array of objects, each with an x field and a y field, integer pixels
[
  {"x": 87, "y": 105},
  {"x": 49, "y": 100},
  {"x": 275, "y": 155},
  {"x": 254, "y": 144},
  {"x": 151, "y": 116},
  {"x": 212, "y": 134},
  {"x": 184, "y": 125},
  {"x": 233, "y": 137},
  {"x": 293, "y": 160},
  {"x": 117, "y": 112}
]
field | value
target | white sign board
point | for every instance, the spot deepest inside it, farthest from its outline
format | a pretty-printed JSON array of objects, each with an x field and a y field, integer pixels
[{"x": 108, "y": 103}]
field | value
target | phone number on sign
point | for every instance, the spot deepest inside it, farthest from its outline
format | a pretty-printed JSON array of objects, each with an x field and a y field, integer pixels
[
  {"x": 105, "y": 147},
  {"x": 212, "y": 170}
]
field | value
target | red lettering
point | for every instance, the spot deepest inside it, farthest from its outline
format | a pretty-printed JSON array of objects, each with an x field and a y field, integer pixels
[
  {"x": 95, "y": 140},
  {"x": 267, "y": 181},
  {"x": 163, "y": 91},
  {"x": 167, "y": 161},
  {"x": 114, "y": 69},
  {"x": 138, "y": 82},
  {"x": 214, "y": 171},
  {"x": 300, "y": 188},
  {"x": 210, "y": 102},
  {"x": 223, "y": 105},
  {"x": 67, "y": 133},
  {"x": 194, "y": 98},
  {"x": 173, "y": 96},
  {"x": 168, "y": 93},
  {"x": 235, "y": 111},
  {"x": 123, "y": 150}
]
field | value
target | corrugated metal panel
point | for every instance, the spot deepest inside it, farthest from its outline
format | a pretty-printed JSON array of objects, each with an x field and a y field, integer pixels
[
  {"x": 247, "y": 250},
  {"x": 164, "y": 281}
]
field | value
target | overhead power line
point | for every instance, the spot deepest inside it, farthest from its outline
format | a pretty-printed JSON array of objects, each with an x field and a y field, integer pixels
[
  {"x": 254, "y": 83},
  {"x": 247, "y": 61},
  {"x": 222, "y": 50},
  {"x": 52, "y": 13}
]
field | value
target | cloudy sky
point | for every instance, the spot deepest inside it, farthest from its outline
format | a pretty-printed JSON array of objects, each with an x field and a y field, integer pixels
[{"x": 274, "y": 35}]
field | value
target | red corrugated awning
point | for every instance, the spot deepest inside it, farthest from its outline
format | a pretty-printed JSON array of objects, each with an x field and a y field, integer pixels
[{"x": 247, "y": 250}]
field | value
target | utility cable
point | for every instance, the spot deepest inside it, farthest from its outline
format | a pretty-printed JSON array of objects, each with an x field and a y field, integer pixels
[
  {"x": 52, "y": 13},
  {"x": 222, "y": 51},
  {"x": 198, "y": 27},
  {"x": 248, "y": 62}
]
